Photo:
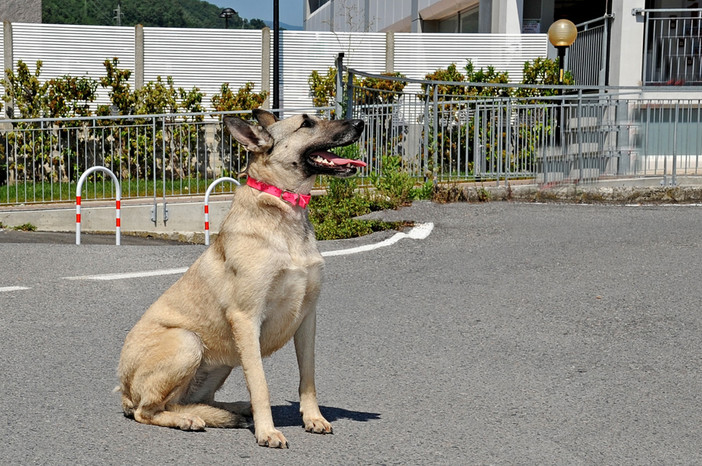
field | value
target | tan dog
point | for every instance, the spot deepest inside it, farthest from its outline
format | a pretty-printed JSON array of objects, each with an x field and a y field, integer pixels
[{"x": 247, "y": 295}]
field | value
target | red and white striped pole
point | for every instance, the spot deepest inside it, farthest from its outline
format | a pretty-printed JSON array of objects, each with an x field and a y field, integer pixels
[
  {"x": 207, "y": 223},
  {"x": 207, "y": 204},
  {"x": 118, "y": 218},
  {"x": 78, "y": 215},
  {"x": 118, "y": 209}
]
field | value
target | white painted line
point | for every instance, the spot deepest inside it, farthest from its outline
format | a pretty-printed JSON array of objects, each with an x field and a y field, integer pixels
[
  {"x": 123, "y": 276},
  {"x": 663, "y": 205},
  {"x": 13, "y": 288},
  {"x": 421, "y": 231}
]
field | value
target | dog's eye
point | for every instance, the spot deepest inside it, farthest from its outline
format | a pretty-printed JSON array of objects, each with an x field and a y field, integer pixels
[{"x": 306, "y": 123}]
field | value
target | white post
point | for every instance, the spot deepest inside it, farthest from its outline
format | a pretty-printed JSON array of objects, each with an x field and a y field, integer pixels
[{"x": 118, "y": 190}]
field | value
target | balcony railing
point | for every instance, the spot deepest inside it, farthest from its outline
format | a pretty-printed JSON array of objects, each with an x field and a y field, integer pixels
[
  {"x": 587, "y": 59},
  {"x": 672, "y": 47}
]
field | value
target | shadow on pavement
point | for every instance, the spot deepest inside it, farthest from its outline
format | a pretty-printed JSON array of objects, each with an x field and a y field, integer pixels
[{"x": 289, "y": 416}]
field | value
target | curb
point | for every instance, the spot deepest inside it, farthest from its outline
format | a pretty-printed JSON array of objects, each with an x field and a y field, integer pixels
[
  {"x": 577, "y": 194},
  {"x": 187, "y": 219}
]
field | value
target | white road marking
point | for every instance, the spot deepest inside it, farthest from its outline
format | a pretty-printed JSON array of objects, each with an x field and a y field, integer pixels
[
  {"x": 122, "y": 276},
  {"x": 13, "y": 288},
  {"x": 421, "y": 231}
]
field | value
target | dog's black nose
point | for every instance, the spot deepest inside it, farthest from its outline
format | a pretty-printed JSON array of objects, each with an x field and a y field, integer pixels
[{"x": 358, "y": 124}]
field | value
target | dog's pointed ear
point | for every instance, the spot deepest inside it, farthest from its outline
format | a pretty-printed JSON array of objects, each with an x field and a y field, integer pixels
[
  {"x": 264, "y": 117},
  {"x": 253, "y": 138}
]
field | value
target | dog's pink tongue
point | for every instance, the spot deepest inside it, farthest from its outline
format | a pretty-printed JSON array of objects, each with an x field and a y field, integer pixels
[{"x": 339, "y": 160}]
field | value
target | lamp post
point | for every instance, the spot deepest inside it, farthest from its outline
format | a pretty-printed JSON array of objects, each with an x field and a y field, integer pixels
[
  {"x": 562, "y": 34},
  {"x": 226, "y": 14}
]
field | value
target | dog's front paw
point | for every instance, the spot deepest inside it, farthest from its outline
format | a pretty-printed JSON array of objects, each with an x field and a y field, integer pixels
[
  {"x": 272, "y": 439},
  {"x": 318, "y": 425}
]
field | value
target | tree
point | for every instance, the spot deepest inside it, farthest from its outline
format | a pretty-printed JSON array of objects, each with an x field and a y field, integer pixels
[{"x": 159, "y": 13}]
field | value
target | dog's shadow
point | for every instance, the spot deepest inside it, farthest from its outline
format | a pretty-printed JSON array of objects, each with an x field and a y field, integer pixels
[{"x": 289, "y": 415}]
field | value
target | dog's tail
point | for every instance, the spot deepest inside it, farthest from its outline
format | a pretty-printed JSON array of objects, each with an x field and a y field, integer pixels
[{"x": 213, "y": 417}]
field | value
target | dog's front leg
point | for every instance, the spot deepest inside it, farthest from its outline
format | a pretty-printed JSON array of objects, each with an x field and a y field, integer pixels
[
  {"x": 304, "y": 348},
  {"x": 247, "y": 339}
]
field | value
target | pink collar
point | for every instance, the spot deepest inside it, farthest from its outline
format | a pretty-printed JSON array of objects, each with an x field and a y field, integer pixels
[{"x": 293, "y": 198}]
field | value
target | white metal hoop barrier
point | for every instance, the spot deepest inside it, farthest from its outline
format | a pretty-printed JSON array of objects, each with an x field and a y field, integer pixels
[
  {"x": 207, "y": 203},
  {"x": 118, "y": 189}
]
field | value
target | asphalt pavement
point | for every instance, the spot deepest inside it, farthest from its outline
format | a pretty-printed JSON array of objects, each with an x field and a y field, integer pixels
[{"x": 513, "y": 334}]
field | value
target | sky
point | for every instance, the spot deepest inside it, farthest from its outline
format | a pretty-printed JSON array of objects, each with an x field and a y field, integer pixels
[{"x": 290, "y": 11}]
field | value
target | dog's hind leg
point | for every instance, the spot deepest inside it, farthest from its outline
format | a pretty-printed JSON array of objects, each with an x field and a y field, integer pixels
[
  {"x": 160, "y": 374},
  {"x": 167, "y": 376},
  {"x": 202, "y": 390},
  {"x": 190, "y": 417},
  {"x": 212, "y": 416}
]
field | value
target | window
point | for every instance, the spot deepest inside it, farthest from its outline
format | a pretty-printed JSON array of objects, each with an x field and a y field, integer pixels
[
  {"x": 465, "y": 21},
  {"x": 449, "y": 24},
  {"x": 316, "y": 4}
]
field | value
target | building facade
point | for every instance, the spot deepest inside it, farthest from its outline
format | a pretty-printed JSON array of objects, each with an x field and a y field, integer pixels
[
  {"x": 448, "y": 16},
  {"x": 629, "y": 42}
]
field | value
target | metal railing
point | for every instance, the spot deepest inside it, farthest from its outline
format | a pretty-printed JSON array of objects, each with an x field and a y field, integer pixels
[
  {"x": 443, "y": 131},
  {"x": 587, "y": 57},
  {"x": 673, "y": 46},
  {"x": 449, "y": 131},
  {"x": 154, "y": 156}
]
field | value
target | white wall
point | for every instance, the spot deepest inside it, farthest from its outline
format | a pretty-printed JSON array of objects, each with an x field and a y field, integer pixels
[
  {"x": 419, "y": 54},
  {"x": 626, "y": 58},
  {"x": 72, "y": 50},
  {"x": 304, "y": 51},
  {"x": 207, "y": 58}
]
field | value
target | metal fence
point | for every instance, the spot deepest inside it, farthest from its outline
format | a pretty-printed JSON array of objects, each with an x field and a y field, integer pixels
[
  {"x": 441, "y": 131},
  {"x": 154, "y": 156},
  {"x": 673, "y": 46},
  {"x": 450, "y": 131}
]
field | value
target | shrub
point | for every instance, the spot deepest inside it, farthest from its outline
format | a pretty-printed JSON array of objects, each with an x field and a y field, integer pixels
[
  {"x": 323, "y": 88},
  {"x": 70, "y": 96},
  {"x": 24, "y": 89},
  {"x": 394, "y": 184},
  {"x": 380, "y": 91},
  {"x": 488, "y": 76},
  {"x": 333, "y": 215},
  {"x": 117, "y": 80},
  {"x": 444, "y": 91},
  {"x": 244, "y": 99},
  {"x": 543, "y": 71}
]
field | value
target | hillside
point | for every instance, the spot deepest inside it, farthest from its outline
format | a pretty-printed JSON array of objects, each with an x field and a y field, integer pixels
[{"x": 162, "y": 13}]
